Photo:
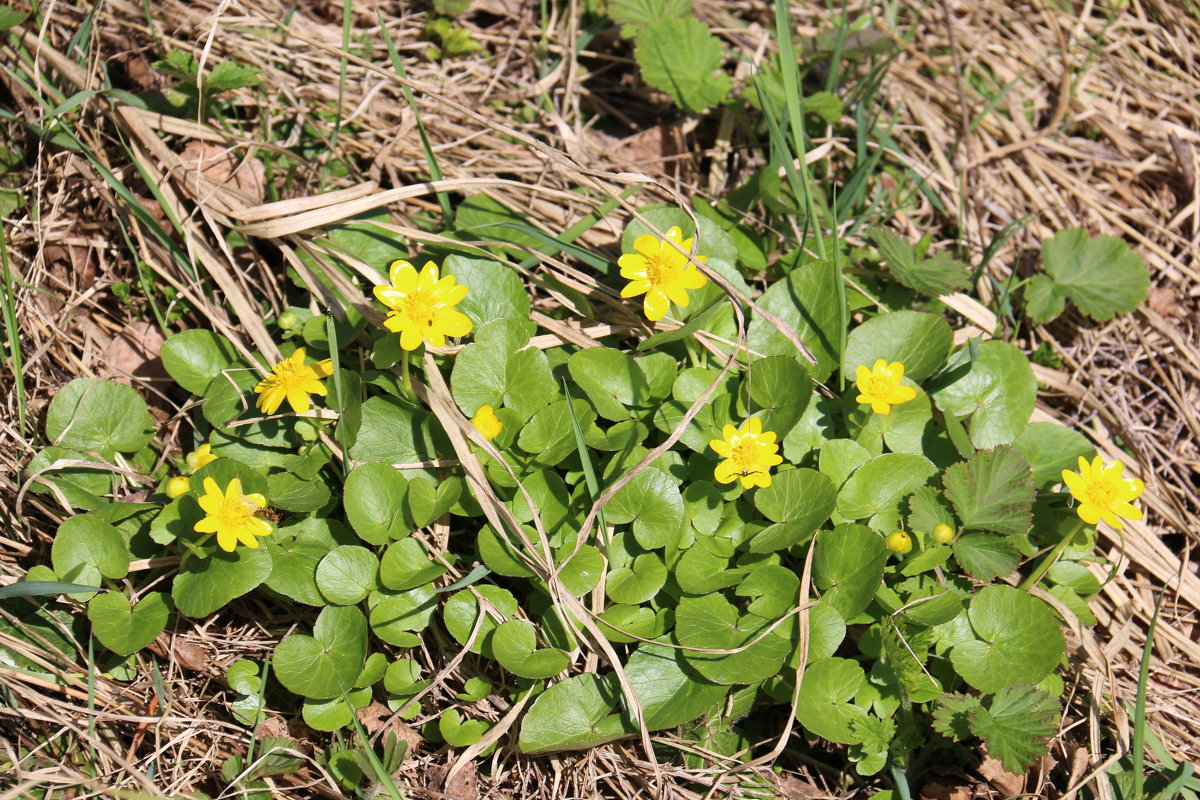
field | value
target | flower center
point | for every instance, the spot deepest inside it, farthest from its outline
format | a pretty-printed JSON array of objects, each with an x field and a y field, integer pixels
[
  {"x": 659, "y": 270},
  {"x": 235, "y": 511},
  {"x": 420, "y": 307},
  {"x": 878, "y": 386},
  {"x": 745, "y": 455},
  {"x": 1103, "y": 492}
]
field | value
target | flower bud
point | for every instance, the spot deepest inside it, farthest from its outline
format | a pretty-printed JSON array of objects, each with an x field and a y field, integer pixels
[
  {"x": 899, "y": 542},
  {"x": 942, "y": 533},
  {"x": 179, "y": 485},
  {"x": 287, "y": 320}
]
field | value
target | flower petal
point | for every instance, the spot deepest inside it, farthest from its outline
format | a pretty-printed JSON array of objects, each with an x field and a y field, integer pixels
[
  {"x": 1128, "y": 511},
  {"x": 455, "y": 323},
  {"x": 410, "y": 337},
  {"x": 298, "y": 400},
  {"x": 726, "y": 471},
  {"x": 635, "y": 288},
  {"x": 403, "y": 275},
  {"x": 655, "y": 305},
  {"x": 1089, "y": 513}
]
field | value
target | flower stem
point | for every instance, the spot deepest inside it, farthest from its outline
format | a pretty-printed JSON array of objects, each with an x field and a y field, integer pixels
[
  {"x": 405, "y": 376},
  {"x": 1051, "y": 557}
]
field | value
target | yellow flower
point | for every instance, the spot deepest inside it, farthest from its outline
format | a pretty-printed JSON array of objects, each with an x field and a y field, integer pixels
[
  {"x": 749, "y": 454},
  {"x": 660, "y": 272},
  {"x": 880, "y": 386},
  {"x": 232, "y": 515},
  {"x": 487, "y": 423},
  {"x": 1102, "y": 493},
  {"x": 199, "y": 457},
  {"x": 422, "y": 306},
  {"x": 294, "y": 380}
]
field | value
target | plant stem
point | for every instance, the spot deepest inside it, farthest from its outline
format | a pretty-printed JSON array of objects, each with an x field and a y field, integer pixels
[{"x": 1051, "y": 557}]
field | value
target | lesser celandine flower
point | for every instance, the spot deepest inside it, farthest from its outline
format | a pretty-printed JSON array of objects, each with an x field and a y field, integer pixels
[
  {"x": 487, "y": 423},
  {"x": 661, "y": 272},
  {"x": 422, "y": 305},
  {"x": 880, "y": 386},
  {"x": 199, "y": 457},
  {"x": 1103, "y": 493},
  {"x": 293, "y": 380},
  {"x": 749, "y": 454},
  {"x": 231, "y": 515}
]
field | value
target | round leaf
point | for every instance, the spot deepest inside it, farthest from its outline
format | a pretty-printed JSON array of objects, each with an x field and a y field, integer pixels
[
  {"x": 711, "y": 622},
  {"x": 462, "y": 609},
  {"x": 612, "y": 380},
  {"x": 195, "y": 357},
  {"x": 99, "y": 416},
  {"x": 324, "y": 665},
  {"x": 574, "y": 714},
  {"x": 848, "y": 567},
  {"x": 1018, "y": 640},
  {"x": 347, "y": 574},
  {"x": 204, "y": 585},
  {"x": 494, "y": 290},
  {"x": 374, "y": 503},
  {"x": 876, "y": 488},
  {"x": 803, "y": 497},
  {"x": 514, "y": 644},
  {"x": 638, "y": 582},
  {"x": 999, "y": 392},
  {"x": 405, "y": 565},
  {"x": 126, "y": 630},
  {"x": 86, "y": 548},
  {"x": 824, "y": 706},
  {"x": 396, "y": 617},
  {"x": 670, "y": 692},
  {"x": 651, "y": 501}
]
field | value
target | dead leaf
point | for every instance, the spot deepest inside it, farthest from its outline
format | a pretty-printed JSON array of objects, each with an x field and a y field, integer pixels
[
  {"x": 1002, "y": 779},
  {"x": 1164, "y": 300},
  {"x": 793, "y": 788},
  {"x": 464, "y": 784},
  {"x": 134, "y": 352},
  {"x": 938, "y": 791},
  {"x": 377, "y": 717},
  {"x": 187, "y": 655},
  {"x": 652, "y": 150},
  {"x": 226, "y": 167}
]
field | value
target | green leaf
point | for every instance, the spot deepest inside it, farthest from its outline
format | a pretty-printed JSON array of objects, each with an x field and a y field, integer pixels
[
  {"x": 773, "y": 589},
  {"x": 575, "y": 714},
  {"x": 294, "y": 566},
  {"x": 205, "y": 585},
  {"x": 289, "y": 493},
  {"x": 848, "y": 567},
  {"x": 935, "y": 276},
  {"x": 326, "y": 664},
  {"x": 405, "y": 565},
  {"x": 231, "y": 75},
  {"x": 242, "y": 677},
  {"x": 368, "y": 242},
  {"x": 875, "y": 490},
  {"x": 83, "y": 488},
  {"x": 652, "y": 502},
  {"x": 927, "y": 507},
  {"x": 584, "y": 569},
  {"x": 999, "y": 392},
  {"x": 403, "y": 677},
  {"x": 11, "y": 17},
  {"x": 392, "y": 432},
  {"x": 1101, "y": 275},
  {"x": 396, "y": 618},
  {"x": 87, "y": 548},
  {"x": 985, "y": 556},
  {"x": 679, "y": 57},
  {"x": 494, "y": 290},
  {"x": 194, "y": 358},
  {"x": 549, "y": 436},
  {"x": 992, "y": 491},
  {"x": 334, "y": 713},
  {"x": 99, "y": 416},
  {"x": 1017, "y": 640},
  {"x": 670, "y": 692},
  {"x": 612, "y": 380},
  {"x": 374, "y": 501},
  {"x": 462, "y": 609},
  {"x": 806, "y": 301},
  {"x": 126, "y": 630},
  {"x": 1050, "y": 448},
  {"x": 483, "y": 217},
  {"x": 515, "y": 646},
  {"x": 40, "y": 588},
  {"x": 638, "y": 582},
  {"x": 712, "y": 622},
  {"x": 427, "y": 501},
  {"x": 840, "y": 458},
  {"x": 920, "y": 341},
  {"x": 633, "y": 15},
  {"x": 782, "y": 389},
  {"x": 494, "y": 371},
  {"x": 1016, "y": 726},
  {"x": 801, "y": 496},
  {"x": 952, "y": 716},
  {"x": 824, "y": 706},
  {"x": 460, "y": 733},
  {"x": 347, "y": 574}
]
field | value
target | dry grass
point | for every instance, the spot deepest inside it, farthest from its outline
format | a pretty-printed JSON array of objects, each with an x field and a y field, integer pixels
[{"x": 1093, "y": 128}]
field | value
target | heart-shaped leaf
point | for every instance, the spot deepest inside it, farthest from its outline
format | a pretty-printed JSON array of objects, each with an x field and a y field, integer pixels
[
  {"x": 998, "y": 392},
  {"x": 326, "y": 664},
  {"x": 574, "y": 714},
  {"x": 652, "y": 502},
  {"x": 99, "y": 416},
  {"x": 712, "y": 622},
  {"x": 204, "y": 585},
  {"x": 919, "y": 341},
  {"x": 374, "y": 501},
  {"x": 1018, "y": 640},
  {"x": 515, "y": 646},
  {"x": 824, "y": 704},
  {"x": 87, "y": 548},
  {"x": 195, "y": 357},
  {"x": 126, "y": 630}
]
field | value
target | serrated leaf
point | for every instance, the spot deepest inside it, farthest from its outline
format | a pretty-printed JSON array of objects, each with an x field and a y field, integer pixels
[
  {"x": 633, "y": 15},
  {"x": 939, "y": 275},
  {"x": 1101, "y": 275},
  {"x": 1016, "y": 726},
  {"x": 679, "y": 57},
  {"x": 992, "y": 491},
  {"x": 951, "y": 718},
  {"x": 985, "y": 556}
]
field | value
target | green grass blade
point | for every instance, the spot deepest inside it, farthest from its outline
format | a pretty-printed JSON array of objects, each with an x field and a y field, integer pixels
[
  {"x": 335, "y": 359},
  {"x": 1139, "y": 706},
  {"x": 12, "y": 332}
]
